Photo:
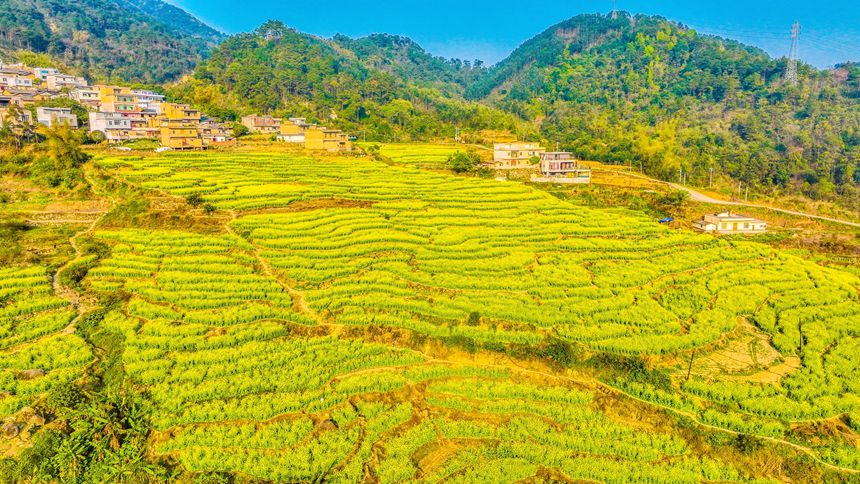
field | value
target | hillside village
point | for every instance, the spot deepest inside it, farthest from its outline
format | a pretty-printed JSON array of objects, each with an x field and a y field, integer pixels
[
  {"x": 116, "y": 113},
  {"x": 299, "y": 131},
  {"x": 119, "y": 114}
]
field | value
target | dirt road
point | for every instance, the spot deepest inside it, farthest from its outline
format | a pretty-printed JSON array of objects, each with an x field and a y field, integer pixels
[{"x": 701, "y": 197}]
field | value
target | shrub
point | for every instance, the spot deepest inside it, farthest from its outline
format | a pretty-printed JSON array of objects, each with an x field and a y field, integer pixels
[
  {"x": 195, "y": 200},
  {"x": 461, "y": 162},
  {"x": 474, "y": 318}
]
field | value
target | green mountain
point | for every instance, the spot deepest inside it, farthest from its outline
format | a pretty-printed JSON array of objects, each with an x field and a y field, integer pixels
[
  {"x": 131, "y": 40},
  {"x": 647, "y": 91},
  {"x": 174, "y": 17},
  {"x": 342, "y": 81},
  {"x": 403, "y": 57}
]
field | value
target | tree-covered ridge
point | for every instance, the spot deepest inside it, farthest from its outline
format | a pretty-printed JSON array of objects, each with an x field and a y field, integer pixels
[
  {"x": 645, "y": 90},
  {"x": 404, "y": 58},
  {"x": 130, "y": 40},
  {"x": 175, "y": 17},
  {"x": 278, "y": 70}
]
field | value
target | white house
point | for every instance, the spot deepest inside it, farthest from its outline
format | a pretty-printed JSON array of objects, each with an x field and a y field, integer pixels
[
  {"x": 148, "y": 100},
  {"x": 43, "y": 72},
  {"x": 86, "y": 96},
  {"x": 14, "y": 80},
  {"x": 114, "y": 126},
  {"x": 730, "y": 223},
  {"x": 52, "y": 117},
  {"x": 561, "y": 167}
]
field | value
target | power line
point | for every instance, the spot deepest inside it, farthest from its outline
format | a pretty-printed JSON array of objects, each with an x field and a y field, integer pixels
[{"x": 791, "y": 71}]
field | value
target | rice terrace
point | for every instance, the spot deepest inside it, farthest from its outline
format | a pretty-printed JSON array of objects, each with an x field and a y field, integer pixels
[{"x": 627, "y": 252}]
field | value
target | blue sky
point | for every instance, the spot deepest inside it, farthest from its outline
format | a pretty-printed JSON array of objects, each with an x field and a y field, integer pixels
[{"x": 490, "y": 30}]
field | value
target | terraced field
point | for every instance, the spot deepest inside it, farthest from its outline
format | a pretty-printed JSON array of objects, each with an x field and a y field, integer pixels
[
  {"x": 421, "y": 155},
  {"x": 242, "y": 382},
  {"x": 236, "y": 335},
  {"x": 359, "y": 321},
  {"x": 35, "y": 351}
]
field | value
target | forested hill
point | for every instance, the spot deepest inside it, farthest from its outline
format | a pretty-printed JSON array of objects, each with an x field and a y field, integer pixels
[
  {"x": 645, "y": 90},
  {"x": 131, "y": 40},
  {"x": 342, "y": 81},
  {"x": 405, "y": 58}
]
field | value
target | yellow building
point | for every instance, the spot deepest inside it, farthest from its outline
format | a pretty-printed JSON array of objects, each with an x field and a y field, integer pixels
[
  {"x": 180, "y": 111},
  {"x": 116, "y": 99},
  {"x": 293, "y": 133},
  {"x": 323, "y": 139},
  {"x": 180, "y": 127}
]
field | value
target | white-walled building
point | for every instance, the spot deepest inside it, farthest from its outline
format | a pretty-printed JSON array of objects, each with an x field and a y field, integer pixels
[
  {"x": 562, "y": 167},
  {"x": 43, "y": 72},
  {"x": 52, "y": 117},
  {"x": 730, "y": 223},
  {"x": 11, "y": 79},
  {"x": 86, "y": 96},
  {"x": 148, "y": 100},
  {"x": 115, "y": 126}
]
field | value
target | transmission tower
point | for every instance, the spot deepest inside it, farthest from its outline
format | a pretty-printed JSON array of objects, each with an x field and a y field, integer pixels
[
  {"x": 614, "y": 9},
  {"x": 791, "y": 71}
]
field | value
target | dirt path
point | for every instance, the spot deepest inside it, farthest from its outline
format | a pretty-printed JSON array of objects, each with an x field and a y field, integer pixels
[
  {"x": 300, "y": 304},
  {"x": 68, "y": 293},
  {"x": 701, "y": 197}
]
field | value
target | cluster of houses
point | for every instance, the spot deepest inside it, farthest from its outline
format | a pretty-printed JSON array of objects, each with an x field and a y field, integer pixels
[
  {"x": 298, "y": 130},
  {"x": 562, "y": 167},
  {"x": 119, "y": 113},
  {"x": 123, "y": 114},
  {"x": 552, "y": 166},
  {"x": 22, "y": 87}
]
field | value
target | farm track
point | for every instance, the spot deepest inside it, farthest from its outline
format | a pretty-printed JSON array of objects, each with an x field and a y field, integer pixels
[{"x": 702, "y": 198}]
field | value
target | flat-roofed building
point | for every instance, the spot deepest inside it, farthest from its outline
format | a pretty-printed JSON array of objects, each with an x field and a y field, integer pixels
[
  {"x": 87, "y": 96},
  {"x": 180, "y": 127},
  {"x": 60, "y": 81},
  {"x": 516, "y": 155},
  {"x": 53, "y": 117},
  {"x": 13, "y": 79},
  {"x": 43, "y": 72},
  {"x": 730, "y": 223},
  {"x": 293, "y": 131},
  {"x": 148, "y": 100},
  {"x": 561, "y": 167},
  {"x": 262, "y": 124},
  {"x": 116, "y": 99},
  {"x": 323, "y": 139},
  {"x": 114, "y": 126}
]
